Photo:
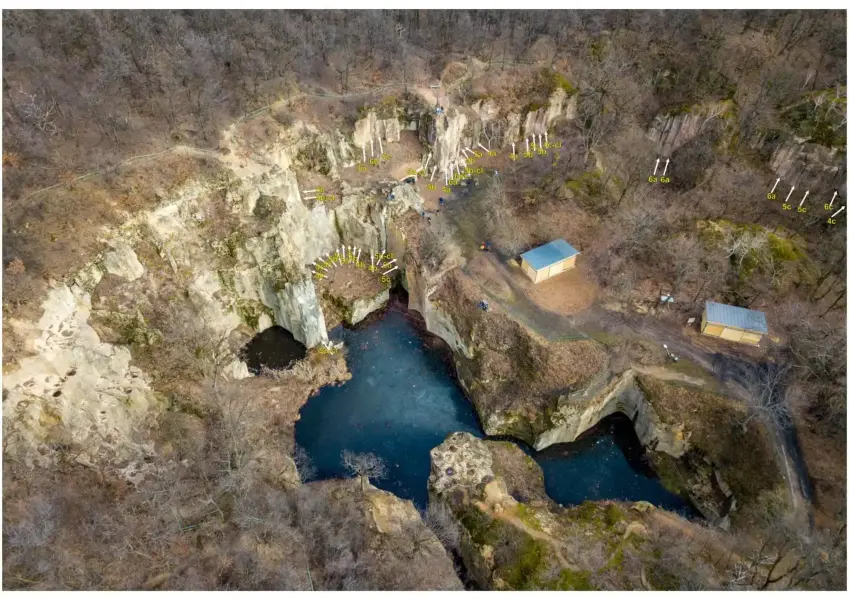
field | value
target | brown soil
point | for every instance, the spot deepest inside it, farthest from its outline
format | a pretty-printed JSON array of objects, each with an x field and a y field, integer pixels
[
  {"x": 566, "y": 293},
  {"x": 351, "y": 283},
  {"x": 405, "y": 154},
  {"x": 487, "y": 276}
]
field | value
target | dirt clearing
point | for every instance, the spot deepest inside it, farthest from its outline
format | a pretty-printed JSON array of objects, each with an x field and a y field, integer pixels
[
  {"x": 351, "y": 283},
  {"x": 565, "y": 294}
]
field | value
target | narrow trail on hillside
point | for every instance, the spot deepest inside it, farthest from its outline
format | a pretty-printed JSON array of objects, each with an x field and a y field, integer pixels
[{"x": 508, "y": 516}]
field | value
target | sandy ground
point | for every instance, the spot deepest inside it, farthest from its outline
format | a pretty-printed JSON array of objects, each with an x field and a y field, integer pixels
[{"x": 565, "y": 294}]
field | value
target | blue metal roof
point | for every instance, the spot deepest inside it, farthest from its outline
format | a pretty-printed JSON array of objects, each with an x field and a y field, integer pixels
[
  {"x": 734, "y": 316},
  {"x": 548, "y": 254}
]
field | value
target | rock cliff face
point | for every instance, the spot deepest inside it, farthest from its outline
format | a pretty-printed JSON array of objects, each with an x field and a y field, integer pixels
[
  {"x": 538, "y": 121},
  {"x": 372, "y": 128},
  {"x": 667, "y": 442},
  {"x": 584, "y": 409},
  {"x": 438, "y": 320},
  {"x": 365, "y": 306},
  {"x": 670, "y": 132},
  {"x": 236, "y": 246},
  {"x": 797, "y": 161},
  {"x": 494, "y": 360}
]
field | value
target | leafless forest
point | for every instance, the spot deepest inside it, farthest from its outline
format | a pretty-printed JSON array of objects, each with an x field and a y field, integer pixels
[{"x": 86, "y": 90}]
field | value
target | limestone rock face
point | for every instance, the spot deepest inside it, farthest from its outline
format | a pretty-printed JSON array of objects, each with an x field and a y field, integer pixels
[
  {"x": 487, "y": 110},
  {"x": 437, "y": 319},
  {"x": 451, "y": 137},
  {"x": 390, "y": 130},
  {"x": 406, "y": 197},
  {"x": 514, "y": 125},
  {"x": 796, "y": 161},
  {"x": 538, "y": 121},
  {"x": 355, "y": 223},
  {"x": 671, "y": 132},
  {"x": 75, "y": 390},
  {"x": 462, "y": 460},
  {"x": 123, "y": 262},
  {"x": 371, "y": 128},
  {"x": 363, "y": 307},
  {"x": 298, "y": 309},
  {"x": 583, "y": 410}
]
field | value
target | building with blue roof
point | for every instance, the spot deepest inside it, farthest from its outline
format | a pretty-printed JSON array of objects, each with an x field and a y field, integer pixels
[
  {"x": 734, "y": 323},
  {"x": 549, "y": 260}
]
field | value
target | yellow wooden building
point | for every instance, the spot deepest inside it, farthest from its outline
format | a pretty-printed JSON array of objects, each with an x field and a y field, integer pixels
[
  {"x": 734, "y": 323},
  {"x": 549, "y": 260}
]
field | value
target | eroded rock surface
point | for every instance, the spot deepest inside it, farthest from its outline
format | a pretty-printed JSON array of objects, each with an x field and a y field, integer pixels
[{"x": 507, "y": 544}]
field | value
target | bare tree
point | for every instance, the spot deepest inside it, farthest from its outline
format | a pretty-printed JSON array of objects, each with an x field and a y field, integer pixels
[
  {"x": 441, "y": 522},
  {"x": 502, "y": 227},
  {"x": 682, "y": 258},
  {"x": 740, "y": 244},
  {"x": 433, "y": 246},
  {"x": 304, "y": 464},
  {"x": 790, "y": 557},
  {"x": 39, "y": 110},
  {"x": 766, "y": 396},
  {"x": 594, "y": 122},
  {"x": 631, "y": 151},
  {"x": 365, "y": 466}
]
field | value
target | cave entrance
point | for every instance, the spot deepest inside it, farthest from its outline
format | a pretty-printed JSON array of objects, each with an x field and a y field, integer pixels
[
  {"x": 606, "y": 462},
  {"x": 274, "y": 348}
]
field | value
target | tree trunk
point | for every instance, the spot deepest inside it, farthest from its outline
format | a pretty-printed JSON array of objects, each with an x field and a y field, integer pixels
[{"x": 835, "y": 303}]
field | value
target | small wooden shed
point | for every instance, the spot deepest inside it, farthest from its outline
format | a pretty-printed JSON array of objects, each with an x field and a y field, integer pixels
[
  {"x": 549, "y": 260},
  {"x": 734, "y": 323}
]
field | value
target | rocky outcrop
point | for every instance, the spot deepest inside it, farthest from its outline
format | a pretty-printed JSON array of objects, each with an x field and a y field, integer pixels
[
  {"x": 507, "y": 543},
  {"x": 452, "y": 135},
  {"x": 498, "y": 360},
  {"x": 75, "y": 393},
  {"x": 582, "y": 410},
  {"x": 298, "y": 310},
  {"x": 799, "y": 162},
  {"x": 236, "y": 245},
  {"x": 671, "y": 131},
  {"x": 371, "y": 128},
  {"x": 438, "y": 320},
  {"x": 123, "y": 262},
  {"x": 363, "y": 307},
  {"x": 538, "y": 121}
]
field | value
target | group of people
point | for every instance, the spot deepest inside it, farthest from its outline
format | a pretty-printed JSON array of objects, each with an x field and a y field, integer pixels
[{"x": 427, "y": 216}]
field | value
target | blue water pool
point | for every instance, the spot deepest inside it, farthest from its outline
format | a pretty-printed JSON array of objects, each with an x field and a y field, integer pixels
[{"x": 402, "y": 400}]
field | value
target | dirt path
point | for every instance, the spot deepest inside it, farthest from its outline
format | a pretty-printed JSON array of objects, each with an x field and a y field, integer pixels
[
  {"x": 730, "y": 370},
  {"x": 508, "y": 516}
]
